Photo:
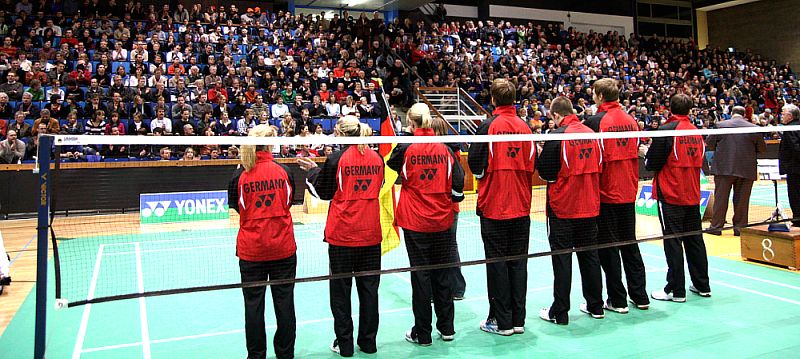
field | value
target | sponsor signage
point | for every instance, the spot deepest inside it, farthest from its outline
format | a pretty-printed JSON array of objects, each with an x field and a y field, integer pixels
[
  {"x": 183, "y": 206},
  {"x": 647, "y": 206}
]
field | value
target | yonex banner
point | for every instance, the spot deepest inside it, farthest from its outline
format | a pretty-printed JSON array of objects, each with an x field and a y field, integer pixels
[
  {"x": 183, "y": 206},
  {"x": 646, "y": 205}
]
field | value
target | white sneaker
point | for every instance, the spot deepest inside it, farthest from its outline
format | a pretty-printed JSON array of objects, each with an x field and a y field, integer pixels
[
  {"x": 519, "y": 330},
  {"x": 335, "y": 346},
  {"x": 661, "y": 295},
  {"x": 412, "y": 338},
  {"x": 607, "y": 306},
  {"x": 544, "y": 313},
  {"x": 446, "y": 338},
  {"x": 584, "y": 309},
  {"x": 490, "y": 326},
  {"x": 640, "y": 306},
  {"x": 702, "y": 294}
]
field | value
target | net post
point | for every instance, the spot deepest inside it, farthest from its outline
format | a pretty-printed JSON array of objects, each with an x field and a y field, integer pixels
[{"x": 43, "y": 223}]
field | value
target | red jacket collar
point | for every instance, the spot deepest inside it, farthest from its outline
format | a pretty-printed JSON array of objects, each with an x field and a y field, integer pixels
[
  {"x": 505, "y": 110},
  {"x": 424, "y": 132},
  {"x": 675, "y": 118},
  {"x": 264, "y": 156},
  {"x": 605, "y": 106},
  {"x": 570, "y": 120}
]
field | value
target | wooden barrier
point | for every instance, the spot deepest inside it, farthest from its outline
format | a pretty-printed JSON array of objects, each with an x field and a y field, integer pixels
[{"x": 777, "y": 248}]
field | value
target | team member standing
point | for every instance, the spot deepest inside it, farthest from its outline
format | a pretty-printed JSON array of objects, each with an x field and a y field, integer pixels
[
  {"x": 431, "y": 182},
  {"x": 676, "y": 162},
  {"x": 351, "y": 179},
  {"x": 619, "y": 184},
  {"x": 505, "y": 173},
  {"x": 790, "y": 159},
  {"x": 261, "y": 191},
  {"x": 734, "y": 166},
  {"x": 459, "y": 283},
  {"x": 572, "y": 170}
]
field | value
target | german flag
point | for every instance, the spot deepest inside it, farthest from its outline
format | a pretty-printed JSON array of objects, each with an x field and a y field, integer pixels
[{"x": 387, "y": 197}]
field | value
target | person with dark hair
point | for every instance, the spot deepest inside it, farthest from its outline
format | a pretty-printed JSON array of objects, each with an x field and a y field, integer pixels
[
  {"x": 734, "y": 166},
  {"x": 572, "y": 170},
  {"x": 351, "y": 179},
  {"x": 789, "y": 156},
  {"x": 440, "y": 127},
  {"x": 677, "y": 162},
  {"x": 619, "y": 187},
  {"x": 505, "y": 174}
]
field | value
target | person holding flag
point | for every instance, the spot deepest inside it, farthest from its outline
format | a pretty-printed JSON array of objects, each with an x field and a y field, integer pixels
[
  {"x": 351, "y": 179},
  {"x": 387, "y": 196}
]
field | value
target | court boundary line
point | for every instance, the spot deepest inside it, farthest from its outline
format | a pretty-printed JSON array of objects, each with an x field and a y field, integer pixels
[
  {"x": 78, "y": 348},
  {"x": 747, "y": 290},
  {"x": 272, "y": 326},
  {"x": 767, "y": 295},
  {"x": 145, "y": 328}
]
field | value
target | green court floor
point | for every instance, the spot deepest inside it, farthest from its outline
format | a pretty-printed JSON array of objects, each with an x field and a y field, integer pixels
[{"x": 755, "y": 310}]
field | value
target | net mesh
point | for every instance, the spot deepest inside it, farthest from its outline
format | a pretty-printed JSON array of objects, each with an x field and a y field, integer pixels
[{"x": 137, "y": 228}]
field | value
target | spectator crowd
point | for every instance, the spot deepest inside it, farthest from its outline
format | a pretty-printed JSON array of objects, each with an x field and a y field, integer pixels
[{"x": 112, "y": 68}]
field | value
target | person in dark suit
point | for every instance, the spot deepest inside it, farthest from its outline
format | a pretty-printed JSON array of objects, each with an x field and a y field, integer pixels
[
  {"x": 733, "y": 166},
  {"x": 790, "y": 159}
]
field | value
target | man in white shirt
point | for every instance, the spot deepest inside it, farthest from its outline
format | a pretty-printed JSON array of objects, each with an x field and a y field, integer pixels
[
  {"x": 279, "y": 109},
  {"x": 161, "y": 121}
]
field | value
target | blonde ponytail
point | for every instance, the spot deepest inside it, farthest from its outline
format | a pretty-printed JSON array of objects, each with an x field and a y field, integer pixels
[
  {"x": 420, "y": 115},
  {"x": 350, "y": 126},
  {"x": 248, "y": 152}
]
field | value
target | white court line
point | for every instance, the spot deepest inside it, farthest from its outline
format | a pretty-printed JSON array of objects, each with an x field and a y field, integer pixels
[
  {"x": 76, "y": 351},
  {"x": 307, "y": 322},
  {"x": 199, "y": 238},
  {"x": 782, "y": 299},
  {"x": 402, "y": 277},
  {"x": 757, "y": 279},
  {"x": 751, "y": 291},
  {"x": 190, "y": 248},
  {"x": 142, "y": 305},
  {"x": 111, "y": 347}
]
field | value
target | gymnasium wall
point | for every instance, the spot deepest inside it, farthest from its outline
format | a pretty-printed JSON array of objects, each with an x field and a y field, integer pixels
[{"x": 769, "y": 28}]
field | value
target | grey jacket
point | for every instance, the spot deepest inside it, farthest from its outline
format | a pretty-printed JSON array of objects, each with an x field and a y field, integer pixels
[
  {"x": 736, "y": 154},
  {"x": 11, "y": 153}
]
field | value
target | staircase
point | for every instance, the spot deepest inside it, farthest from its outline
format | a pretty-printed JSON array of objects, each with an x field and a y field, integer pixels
[{"x": 455, "y": 106}]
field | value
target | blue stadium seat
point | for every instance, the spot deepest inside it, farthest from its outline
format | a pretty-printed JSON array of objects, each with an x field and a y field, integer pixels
[
  {"x": 374, "y": 123},
  {"x": 126, "y": 65}
]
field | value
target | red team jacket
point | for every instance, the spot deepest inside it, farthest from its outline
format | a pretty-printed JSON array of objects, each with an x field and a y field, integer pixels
[
  {"x": 619, "y": 182},
  {"x": 677, "y": 162},
  {"x": 572, "y": 169},
  {"x": 432, "y": 181},
  {"x": 263, "y": 197},
  {"x": 504, "y": 169},
  {"x": 352, "y": 181}
]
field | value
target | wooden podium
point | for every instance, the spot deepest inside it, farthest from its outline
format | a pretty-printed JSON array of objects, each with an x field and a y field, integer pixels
[{"x": 777, "y": 248}]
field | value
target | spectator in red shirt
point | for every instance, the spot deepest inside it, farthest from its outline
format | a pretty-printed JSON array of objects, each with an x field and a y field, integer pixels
[{"x": 340, "y": 94}]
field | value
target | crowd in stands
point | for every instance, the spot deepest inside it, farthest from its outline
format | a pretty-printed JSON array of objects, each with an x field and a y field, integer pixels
[
  {"x": 112, "y": 68},
  {"x": 546, "y": 61}
]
